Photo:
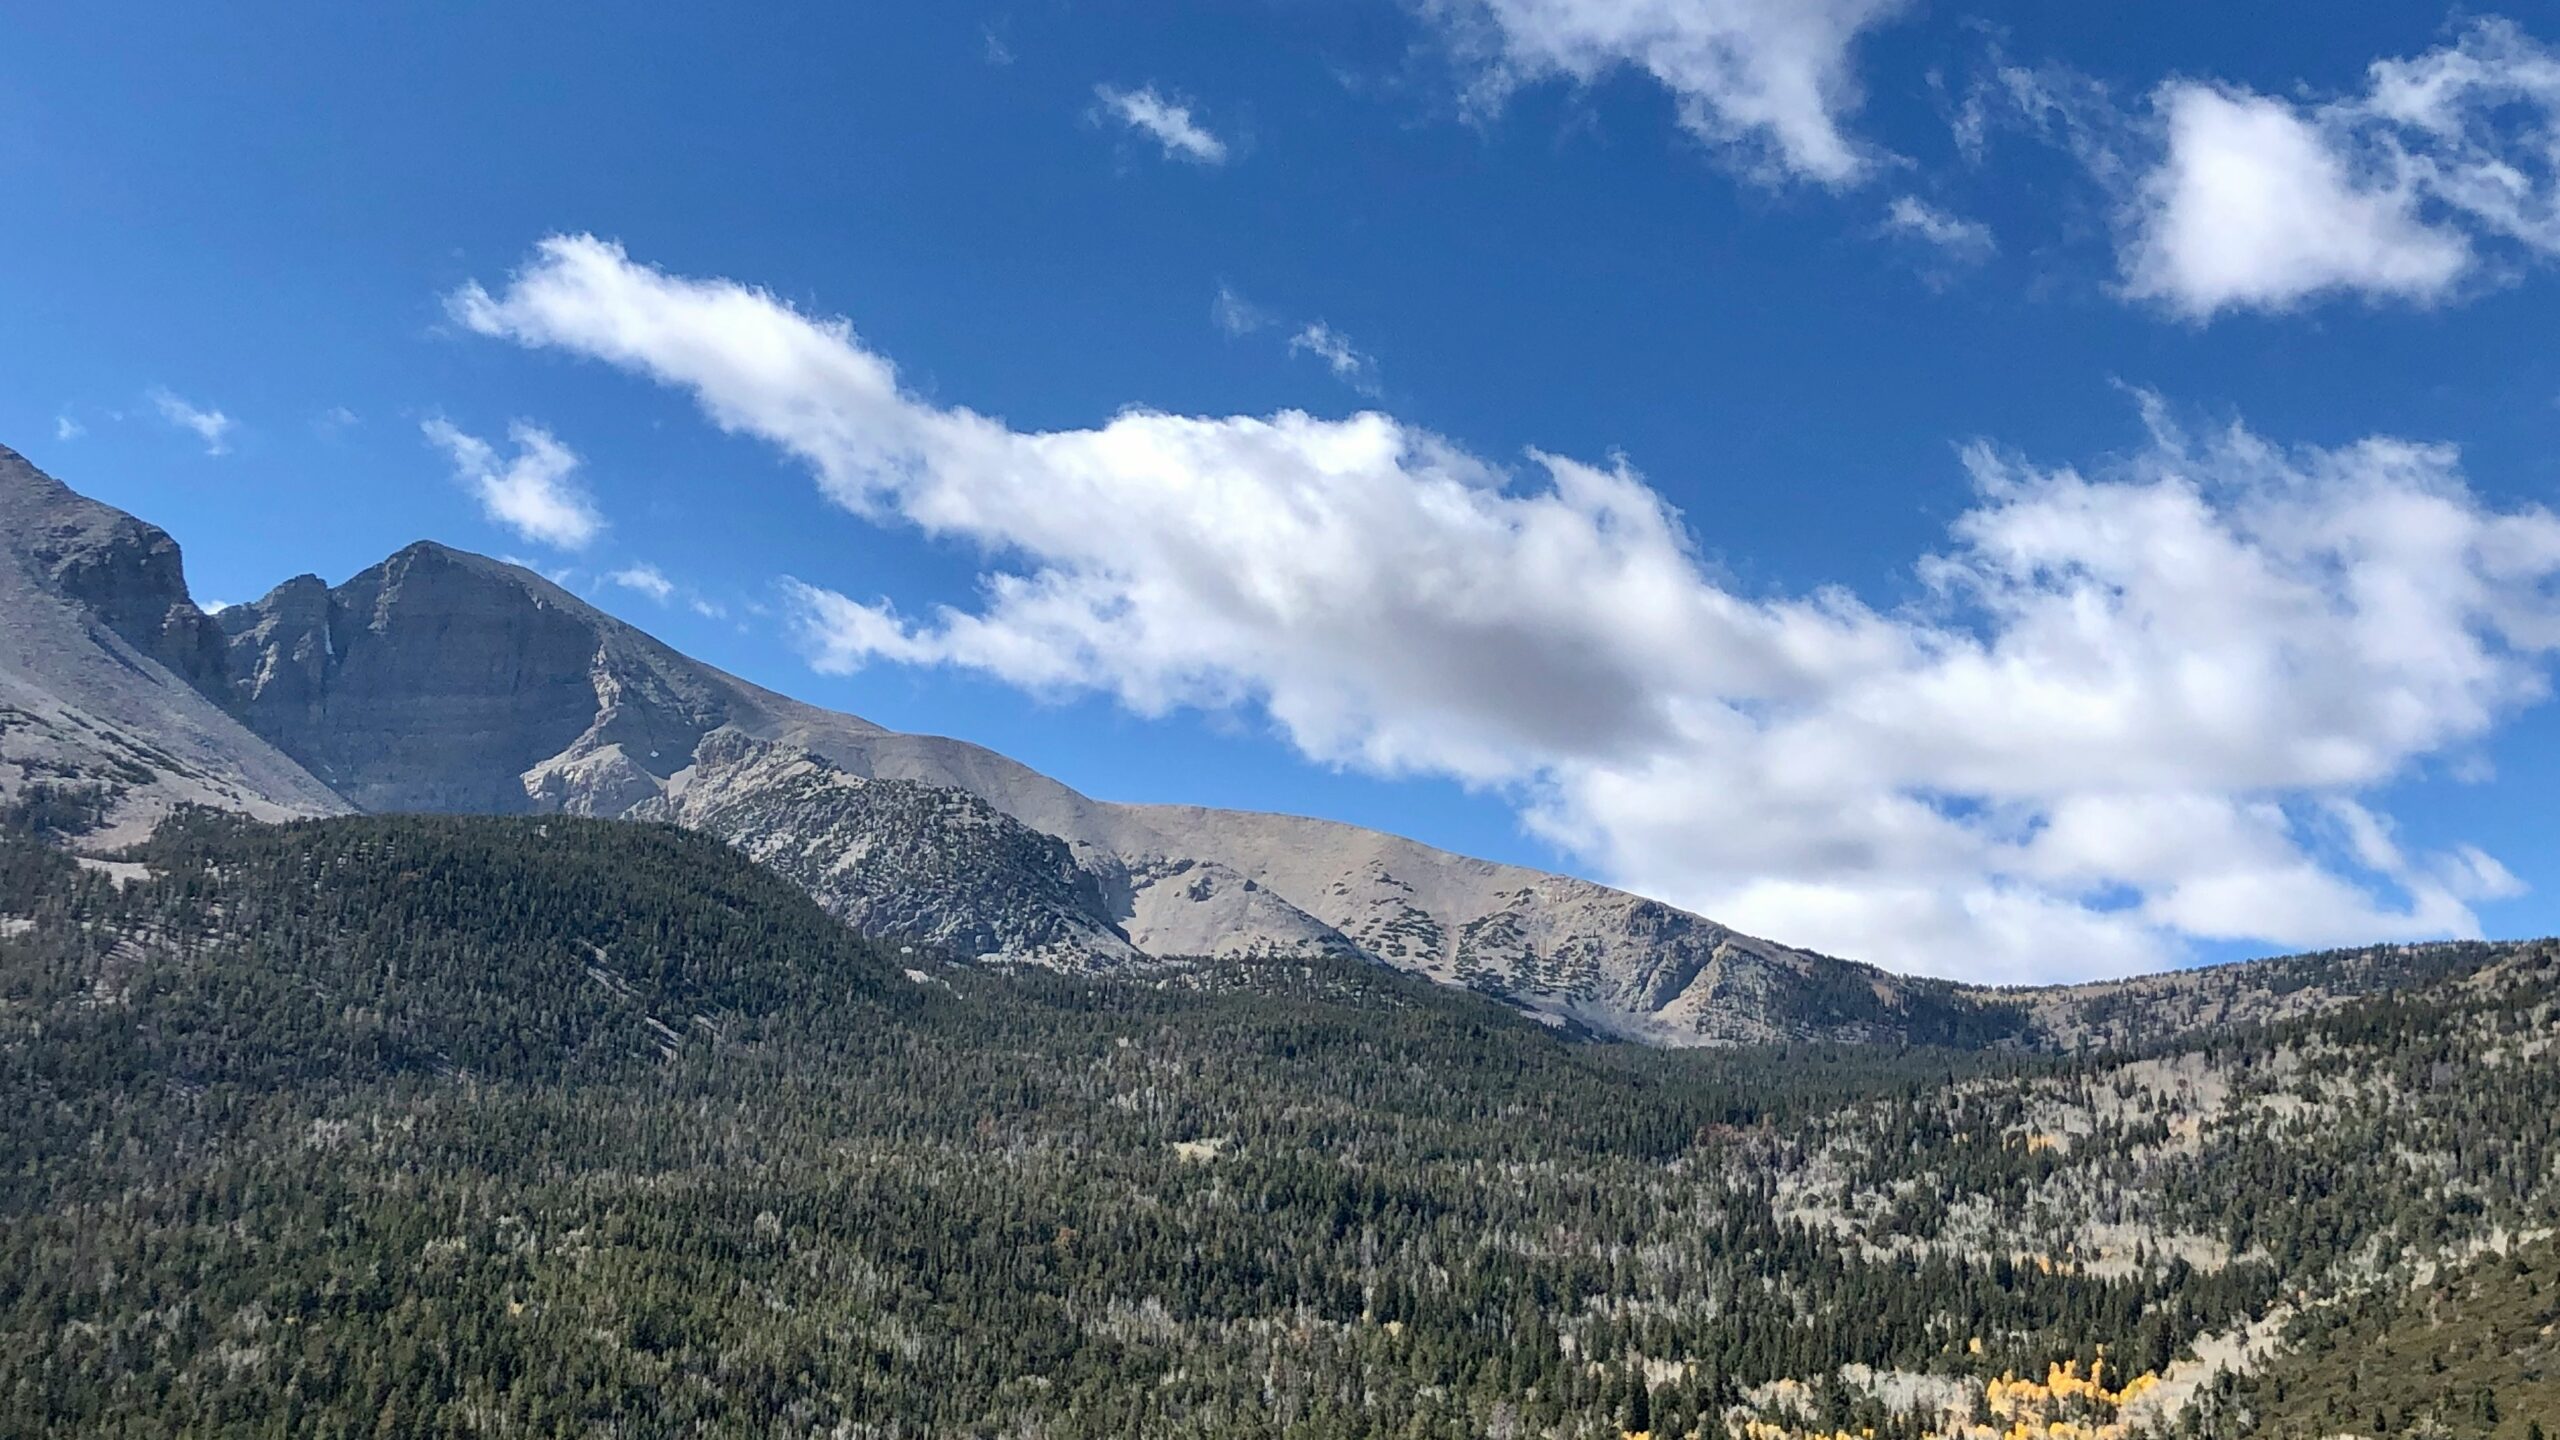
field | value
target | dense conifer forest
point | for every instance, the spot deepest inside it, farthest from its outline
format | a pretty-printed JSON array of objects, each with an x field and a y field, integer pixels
[{"x": 404, "y": 1127}]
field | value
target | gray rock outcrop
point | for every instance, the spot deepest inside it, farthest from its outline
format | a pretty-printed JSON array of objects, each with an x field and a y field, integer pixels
[
  {"x": 439, "y": 680},
  {"x": 108, "y": 674}
]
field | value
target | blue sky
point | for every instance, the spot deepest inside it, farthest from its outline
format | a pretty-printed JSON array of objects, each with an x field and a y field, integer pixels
[{"x": 2038, "y": 491}]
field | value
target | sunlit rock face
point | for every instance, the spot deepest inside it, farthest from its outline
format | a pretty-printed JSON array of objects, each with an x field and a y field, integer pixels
[
  {"x": 112, "y": 680},
  {"x": 439, "y": 680}
]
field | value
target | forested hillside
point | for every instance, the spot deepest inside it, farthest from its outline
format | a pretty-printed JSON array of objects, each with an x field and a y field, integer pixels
[
  {"x": 550, "y": 1127},
  {"x": 2473, "y": 1349}
]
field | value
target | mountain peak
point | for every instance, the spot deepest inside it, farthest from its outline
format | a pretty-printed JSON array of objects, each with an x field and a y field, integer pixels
[
  {"x": 437, "y": 551},
  {"x": 440, "y": 679},
  {"x": 19, "y": 475},
  {"x": 110, "y": 676},
  {"x": 433, "y": 557},
  {"x": 126, "y": 573}
]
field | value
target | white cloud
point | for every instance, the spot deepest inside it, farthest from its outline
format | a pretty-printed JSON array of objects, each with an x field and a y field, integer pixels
[
  {"x": 2478, "y": 129},
  {"x": 1234, "y": 314},
  {"x": 210, "y": 426},
  {"x": 1958, "y": 237},
  {"x": 66, "y": 428},
  {"x": 2133, "y": 712},
  {"x": 535, "y": 494},
  {"x": 2254, "y": 207},
  {"x": 1769, "y": 78},
  {"x": 1182, "y": 137},
  {"x": 645, "y": 578},
  {"x": 2264, "y": 203},
  {"x": 1348, "y": 364}
]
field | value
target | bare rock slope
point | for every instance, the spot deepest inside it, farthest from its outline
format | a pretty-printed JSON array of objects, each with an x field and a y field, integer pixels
[
  {"x": 105, "y": 722},
  {"x": 896, "y": 857}
]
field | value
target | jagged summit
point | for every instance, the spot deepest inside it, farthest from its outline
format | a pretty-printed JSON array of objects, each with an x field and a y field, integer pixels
[
  {"x": 110, "y": 675},
  {"x": 126, "y": 573},
  {"x": 441, "y": 680}
]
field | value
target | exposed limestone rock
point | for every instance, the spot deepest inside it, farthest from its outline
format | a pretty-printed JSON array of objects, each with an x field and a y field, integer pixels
[
  {"x": 439, "y": 680},
  {"x": 897, "y": 859},
  {"x": 102, "y": 663}
]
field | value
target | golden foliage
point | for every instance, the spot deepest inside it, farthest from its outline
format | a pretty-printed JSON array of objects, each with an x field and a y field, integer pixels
[{"x": 2064, "y": 1405}]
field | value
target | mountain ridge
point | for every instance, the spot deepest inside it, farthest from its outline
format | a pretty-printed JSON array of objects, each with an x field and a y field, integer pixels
[
  {"x": 103, "y": 659},
  {"x": 439, "y": 680}
]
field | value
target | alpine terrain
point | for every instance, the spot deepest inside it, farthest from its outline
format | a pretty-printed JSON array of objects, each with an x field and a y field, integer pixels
[{"x": 448, "y": 682}]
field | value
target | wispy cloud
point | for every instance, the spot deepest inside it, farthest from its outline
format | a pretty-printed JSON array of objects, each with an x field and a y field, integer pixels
[
  {"x": 1171, "y": 124},
  {"x": 534, "y": 493},
  {"x": 208, "y": 425},
  {"x": 1234, "y": 314},
  {"x": 66, "y": 428},
  {"x": 642, "y": 578},
  {"x": 1952, "y": 235},
  {"x": 1769, "y": 80},
  {"x": 1348, "y": 365},
  {"x": 645, "y": 578}
]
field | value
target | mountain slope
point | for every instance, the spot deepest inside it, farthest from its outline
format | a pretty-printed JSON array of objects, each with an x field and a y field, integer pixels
[
  {"x": 2473, "y": 1351},
  {"x": 443, "y": 681},
  {"x": 535, "y": 1125},
  {"x": 2150, "y": 1010},
  {"x": 1555, "y": 945},
  {"x": 897, "y": 858},
  {"x": 104, "y": 664}
]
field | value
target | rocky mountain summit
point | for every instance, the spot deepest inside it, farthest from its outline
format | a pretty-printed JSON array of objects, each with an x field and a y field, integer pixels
[
  {"x": 444, "y": 681},
  {"x": 111, "y": 678}
]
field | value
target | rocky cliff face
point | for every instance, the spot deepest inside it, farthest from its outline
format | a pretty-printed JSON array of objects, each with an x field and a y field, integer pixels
[
  {"x": 105, "y": 668},
  {"x": 125, "y": 574},
  {"x": 439, "y": 680},
  {"x": 897, "y": 859}
]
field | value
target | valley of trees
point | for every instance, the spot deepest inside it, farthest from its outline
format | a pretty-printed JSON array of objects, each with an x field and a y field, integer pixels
[{"x": 409, "y": 1127}]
